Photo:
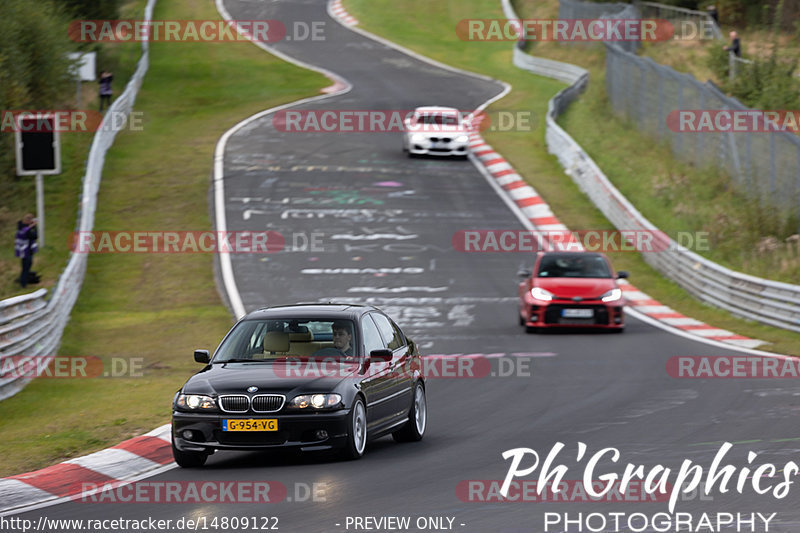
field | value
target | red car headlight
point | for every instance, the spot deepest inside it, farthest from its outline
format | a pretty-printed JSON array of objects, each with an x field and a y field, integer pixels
[
  {"x": 541, "y": 294},
  {"x": 612, "y": 296}
]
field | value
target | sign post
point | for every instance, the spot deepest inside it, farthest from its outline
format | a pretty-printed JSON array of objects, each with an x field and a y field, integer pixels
[
  {"x": 83, "y": 70},
  {"x": 40, "y": 207},
  {"x": 38, "y": 150}
]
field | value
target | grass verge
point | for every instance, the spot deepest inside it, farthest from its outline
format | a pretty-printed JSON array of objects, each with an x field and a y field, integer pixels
[
  {"x": 61, "y": 191},
  {"x": 526, "y": 150},
  {"x": 147, "y": 309}
]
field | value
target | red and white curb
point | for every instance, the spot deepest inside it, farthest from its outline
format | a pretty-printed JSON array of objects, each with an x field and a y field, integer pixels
[
  {"x": 542, "y": 218},
  {"x": 124, "y": 462},
  {"x": 337, "y": 86},
  {"x": 341, "y": 13},
  {"x": 654, "y": 309}
]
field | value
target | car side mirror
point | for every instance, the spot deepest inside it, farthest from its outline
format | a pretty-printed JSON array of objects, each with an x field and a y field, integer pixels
[
  {"x": 202, "y": 356},
  {"x": 381, "y": 355},
  {"x": 622, "y": 274},
  {"x": 523, "y": 273}
]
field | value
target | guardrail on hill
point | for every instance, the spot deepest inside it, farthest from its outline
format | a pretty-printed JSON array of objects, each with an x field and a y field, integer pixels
[
  {"x": 31, "y": 326},
  {"x": 677, "y": 15},
  {"x": 770, "y": 302}
]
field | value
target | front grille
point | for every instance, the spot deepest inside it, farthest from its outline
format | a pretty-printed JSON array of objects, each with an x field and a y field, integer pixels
[
  {"x": 267, "y": 403},
  {"x": 443, "y": 139},
  {"x": 236, "y": 403},
  {"x": 553, "y": 315}
]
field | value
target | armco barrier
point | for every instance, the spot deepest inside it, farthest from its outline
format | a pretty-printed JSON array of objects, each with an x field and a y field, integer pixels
[
  {"x": 29, "y": 324},
  {"x": 770, "y": 302}
]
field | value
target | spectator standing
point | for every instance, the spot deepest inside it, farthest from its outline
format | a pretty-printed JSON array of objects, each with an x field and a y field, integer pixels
[
  {"x": 712, "y": 12},
  {"x": 735, "y": 46},
  {"x": 25, "y": 246},
  {"x": 105, "y": 89}
]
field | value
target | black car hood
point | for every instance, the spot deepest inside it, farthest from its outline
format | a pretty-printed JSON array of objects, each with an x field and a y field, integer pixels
[{"x": 235, "y": 378}]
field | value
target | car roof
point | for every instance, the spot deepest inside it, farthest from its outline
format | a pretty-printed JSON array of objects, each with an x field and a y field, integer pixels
[{"x": 330, "y": 310}]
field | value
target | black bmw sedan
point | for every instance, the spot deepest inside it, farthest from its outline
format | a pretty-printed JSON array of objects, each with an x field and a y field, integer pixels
[{"x": 313, "y": 377}]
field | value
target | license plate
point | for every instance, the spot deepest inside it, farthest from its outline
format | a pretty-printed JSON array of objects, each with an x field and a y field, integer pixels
[
  {"x": 577, "y": 313},
  {"x": 267, "y": 424}
]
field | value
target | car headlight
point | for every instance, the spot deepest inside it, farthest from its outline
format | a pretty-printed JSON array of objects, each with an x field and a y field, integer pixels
[
  {"x": 316, "y": 401},
  {"x": 418, "y": 138},
  {"x": 612, "y": 296},
  {"x": 195, "y": 402},
  {"x": 541, "y": 294},
  {"x": 462, "y": 138}
]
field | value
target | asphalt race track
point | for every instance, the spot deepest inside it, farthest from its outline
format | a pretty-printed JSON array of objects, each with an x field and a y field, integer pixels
[{"x": 369, "y": 207}]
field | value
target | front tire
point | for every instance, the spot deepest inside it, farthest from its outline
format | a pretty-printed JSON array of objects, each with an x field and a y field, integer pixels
[
  {"x": 414, "y": 429},
  {"x": 188, "y": 459},
  {"x": 357, "y": 431}
]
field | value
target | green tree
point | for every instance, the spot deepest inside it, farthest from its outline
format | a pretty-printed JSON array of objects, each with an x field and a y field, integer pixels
[{"x": 34, "y": 67}]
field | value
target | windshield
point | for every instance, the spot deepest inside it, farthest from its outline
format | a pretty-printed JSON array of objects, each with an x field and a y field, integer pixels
[
  {"x": 573, "y": 266},
  {"x": 438, "y": 119},
  {"x": 274, "y": 339}
]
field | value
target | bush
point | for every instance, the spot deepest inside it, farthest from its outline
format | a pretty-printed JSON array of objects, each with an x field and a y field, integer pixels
[
  {"x": 91, "y": 9},
  {"x": 765, "y": 83},
  {"x": 34, "y": 68}
]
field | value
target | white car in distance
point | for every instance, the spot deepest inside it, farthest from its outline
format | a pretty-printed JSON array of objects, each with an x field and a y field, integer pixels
[{"x": 438, "y": 131}]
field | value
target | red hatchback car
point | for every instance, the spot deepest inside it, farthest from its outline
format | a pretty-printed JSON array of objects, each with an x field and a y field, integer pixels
[{"x": 571, "y": 289}]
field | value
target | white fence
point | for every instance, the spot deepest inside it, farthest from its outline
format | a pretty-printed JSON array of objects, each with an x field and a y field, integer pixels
[
  {"x": 30, "y": 325},
  {"x": 698, "y": 20},
  {"x": 769, "y": 302}
]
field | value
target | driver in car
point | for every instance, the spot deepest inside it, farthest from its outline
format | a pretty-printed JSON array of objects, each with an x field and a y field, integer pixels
[{"x": 342, "y": 337}]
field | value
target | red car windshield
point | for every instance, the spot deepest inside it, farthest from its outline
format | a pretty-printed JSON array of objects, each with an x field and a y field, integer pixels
[{"x": 573, "y": 266}]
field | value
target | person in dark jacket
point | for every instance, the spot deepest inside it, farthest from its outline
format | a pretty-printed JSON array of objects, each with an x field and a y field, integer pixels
[
  {"x": 25, "y": 246},
  {"x": 713, "y": 13},
  {"x": 736, "y": 45},
  {"x": 105, "y": 89}
]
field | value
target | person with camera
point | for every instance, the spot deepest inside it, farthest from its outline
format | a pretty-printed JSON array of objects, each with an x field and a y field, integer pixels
[{"x": 25, "y": 246}]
